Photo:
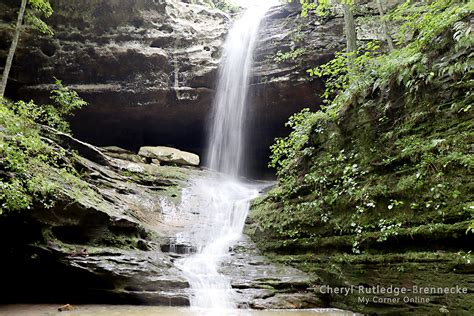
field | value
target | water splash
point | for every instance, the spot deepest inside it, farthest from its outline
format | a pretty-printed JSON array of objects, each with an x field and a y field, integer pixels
[{"x": 221, "y": 205}]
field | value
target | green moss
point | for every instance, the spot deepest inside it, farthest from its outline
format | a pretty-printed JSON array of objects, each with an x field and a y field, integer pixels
[
  {"x": 389, "y": 160},
  {"x": 431, "y": 269},
  {"x": 377, "y": 189}
]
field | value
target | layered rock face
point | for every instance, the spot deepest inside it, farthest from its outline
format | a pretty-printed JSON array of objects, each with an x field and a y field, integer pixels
[
  {"x": 146, "y": 67},
  {"x": 289, "y": 44},
  {"x": 100, "y": 242},
  {"x": 281, "y": 86},
  {"x": 148, "y": 70},
  {"x": 111, "y": 238}
]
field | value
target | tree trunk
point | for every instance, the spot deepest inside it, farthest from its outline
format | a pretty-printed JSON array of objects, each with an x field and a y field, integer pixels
[
  {"x": 388, "y": 38},
  {"x": 349, "y": 27},
  {"x": 11, "y": 52}
]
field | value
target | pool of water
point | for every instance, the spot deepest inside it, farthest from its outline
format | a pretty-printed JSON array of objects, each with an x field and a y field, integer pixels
[{"x": 122, "y": 310}]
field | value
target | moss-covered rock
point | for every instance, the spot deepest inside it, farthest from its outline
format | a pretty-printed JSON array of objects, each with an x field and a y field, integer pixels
[
  {"x": 381, "y": 192},
  {"x": 83, "y": 226}
]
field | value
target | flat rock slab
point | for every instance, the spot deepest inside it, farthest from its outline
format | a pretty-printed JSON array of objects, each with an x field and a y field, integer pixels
[
  {"x": 261, "y": 284},
  {"x": 169, "y": 155}
]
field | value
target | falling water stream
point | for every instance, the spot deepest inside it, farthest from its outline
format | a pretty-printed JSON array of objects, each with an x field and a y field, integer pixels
[
  {"x": 222, "y": 201},
  {"x": 226, "y": 141}
]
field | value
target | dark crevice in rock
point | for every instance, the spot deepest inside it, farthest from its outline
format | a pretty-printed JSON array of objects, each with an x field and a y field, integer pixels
[
  {"x": 48, "y": 49},
  {"x": 178, "y": 249}
]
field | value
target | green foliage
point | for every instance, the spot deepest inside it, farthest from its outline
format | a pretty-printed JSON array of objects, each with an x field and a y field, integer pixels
[
  {"x": 32, "y": 170},
  {"x": 286, "y": 150},
  {"x": 38, "y": 9},
  {"x": 320, "y": 8},
  {"x": 391, "y": 147},
  {"x": 427, "y": 20},
  {"x": 22, "y": 154},
  {"x": 226, "y": 6},
  {"x": 470, "y": 207},
  {"x": 345, "y": 70},
  {"x": 291, "y": 55},
  {"x": 65, "y": 101}
]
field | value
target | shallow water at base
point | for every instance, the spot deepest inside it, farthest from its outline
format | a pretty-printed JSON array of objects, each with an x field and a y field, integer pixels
[{"x": 126, "y": 310}]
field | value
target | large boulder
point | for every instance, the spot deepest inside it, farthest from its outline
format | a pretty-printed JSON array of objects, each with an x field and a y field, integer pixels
[{"x": 169, "y": 155}]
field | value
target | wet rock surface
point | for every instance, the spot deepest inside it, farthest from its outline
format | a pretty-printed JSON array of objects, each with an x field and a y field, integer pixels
[
  {"x": 262, "y": 284},
  {"x": 100, "y": 242},
  {"x": 114, "y": 240}
]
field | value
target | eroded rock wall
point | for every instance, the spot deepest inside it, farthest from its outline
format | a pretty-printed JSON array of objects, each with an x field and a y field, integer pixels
[
  {"x": 146, "y": 67},
  {"x": 289, "y": 45},
  {"x": 148, "y": 70}
]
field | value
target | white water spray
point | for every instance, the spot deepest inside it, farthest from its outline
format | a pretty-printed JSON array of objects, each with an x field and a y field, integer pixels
[{"x": 222, "y": 202}]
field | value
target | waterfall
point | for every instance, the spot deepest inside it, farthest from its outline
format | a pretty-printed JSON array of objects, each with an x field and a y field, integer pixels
[
  {"x": 221, "y": 202},
  {"x": 226, "y": 141}
]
